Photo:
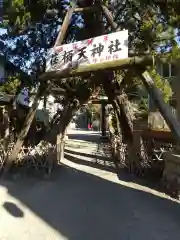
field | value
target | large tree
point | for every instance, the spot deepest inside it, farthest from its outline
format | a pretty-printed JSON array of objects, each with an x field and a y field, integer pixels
[{"x": 33, "y": 26}]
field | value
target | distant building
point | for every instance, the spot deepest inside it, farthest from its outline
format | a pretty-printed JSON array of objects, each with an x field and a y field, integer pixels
[
  {"x": 51, "y": 105},
  {"x": 9, "y": 69},
  {"x": 167, "y": 69}
]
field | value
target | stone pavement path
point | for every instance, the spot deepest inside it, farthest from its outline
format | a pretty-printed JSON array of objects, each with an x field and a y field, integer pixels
[{"x": 81, "y": 202}]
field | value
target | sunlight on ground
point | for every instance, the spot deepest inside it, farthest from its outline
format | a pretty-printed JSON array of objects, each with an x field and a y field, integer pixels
[
  {"x": 29, "y": 226},
  {"x": 85, "y": 203},
  {"x": 112, "y": 177}
]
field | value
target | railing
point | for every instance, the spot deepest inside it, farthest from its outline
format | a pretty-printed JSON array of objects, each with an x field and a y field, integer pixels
[
  {"x": 149, "y": 150},
  {"x": 39, "y": 157}
]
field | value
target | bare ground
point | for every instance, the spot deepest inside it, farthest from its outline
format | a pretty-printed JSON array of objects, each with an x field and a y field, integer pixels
[{"x": 81, "y": 202}]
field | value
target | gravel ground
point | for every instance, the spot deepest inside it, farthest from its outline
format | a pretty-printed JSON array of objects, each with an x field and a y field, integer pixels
[{"x": 85, "y": 203}]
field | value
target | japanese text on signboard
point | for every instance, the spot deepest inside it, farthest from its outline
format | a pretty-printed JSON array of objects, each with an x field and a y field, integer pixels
[{"x": 100, "y": 49}]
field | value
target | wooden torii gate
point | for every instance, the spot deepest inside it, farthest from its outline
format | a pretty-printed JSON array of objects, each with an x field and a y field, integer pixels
[
  {"x": 103, "y": 124},
  {"x": 138, "y": 64}
]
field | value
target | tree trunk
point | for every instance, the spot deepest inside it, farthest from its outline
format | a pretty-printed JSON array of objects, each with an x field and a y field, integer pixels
[
  {"x": 60, "y": 139},
  {"x": 127, "y": 128},
  {"x": 117, "y": 122},
  {"x": 7, "y": 129},
  {"x": 118, "y": 116},
  {"x": 58, "y": 130},
  {"x": 60, "y": 144},
  {"x": 24, "y": 131},
  {"x": 116, "y": 145},
  {"x": 45, "y": 102},
  {"x": 121, "y": 101},
  {"x": 121, "y": 105},
  {"x": 126, "y": 118}
]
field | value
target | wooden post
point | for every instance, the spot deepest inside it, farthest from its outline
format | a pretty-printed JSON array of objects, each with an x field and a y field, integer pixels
[
  {"x": 60, "y": 144},
  {"x": 24, "y": 131},
  {"x": 7, "y": 129},
  {"x": 61, "y": 131},
  {"x": 65, "y": 24},
  {"x": 61, "y": 134},
  {"x": 164, "y": 108},
  {"x": 87, "y": 9},
  {"x": 103, "y": 119},
  {"x": 176, "y": 90},
  {"x": 117, "y": 115},
  {"x": 109, "y": 17},
  {"x": 45, "y": 102}
]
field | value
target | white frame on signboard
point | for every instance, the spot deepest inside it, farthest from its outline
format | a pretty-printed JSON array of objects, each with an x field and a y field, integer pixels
[{"x": 100, "y": 49}]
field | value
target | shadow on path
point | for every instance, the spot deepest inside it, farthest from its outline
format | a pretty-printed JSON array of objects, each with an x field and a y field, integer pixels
[
  {"x": 93, "y": 163},
  {"x": 107, "y": 164},
  {"x": 12, "y": 209},
  {"x": 82, "y": 206},
  {"x": 88, "y": 137},
  {"x": 94, "y": 156}
]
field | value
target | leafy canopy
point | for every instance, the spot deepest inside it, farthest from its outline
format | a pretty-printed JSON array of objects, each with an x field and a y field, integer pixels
[{"x": 32, "y": 27}]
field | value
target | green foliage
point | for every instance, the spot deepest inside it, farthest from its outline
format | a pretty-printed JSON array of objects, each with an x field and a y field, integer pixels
[
  {"x": 32, "y": 30},
  {"x": 163, "y": 84},
  {"x": 150, "y": 23},
  {"x": 143, "y": 104},
  {"x": 22, "y": 14},
  {"x": 10, "y": 87}
]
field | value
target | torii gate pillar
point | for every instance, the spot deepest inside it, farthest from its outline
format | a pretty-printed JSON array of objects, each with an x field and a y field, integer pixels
[{"x": 103, "y": 119}]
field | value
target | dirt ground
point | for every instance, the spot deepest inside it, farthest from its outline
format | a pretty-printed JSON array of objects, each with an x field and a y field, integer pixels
[{"x": 81, "y": 202}]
